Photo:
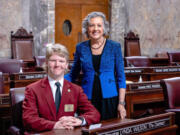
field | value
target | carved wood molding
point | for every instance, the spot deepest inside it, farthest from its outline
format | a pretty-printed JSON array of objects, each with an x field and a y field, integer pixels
[
  {"x": 131, "y": 35},
  {"x": 21, "y": 32}
]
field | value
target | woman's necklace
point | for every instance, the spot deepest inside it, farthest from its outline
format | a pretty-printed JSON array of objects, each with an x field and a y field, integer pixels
[{"x": 95, "y": 48}]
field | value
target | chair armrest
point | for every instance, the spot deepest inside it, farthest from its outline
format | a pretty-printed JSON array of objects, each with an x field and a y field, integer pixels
[
  {"x": 173, "y": 110},
  {"x": 38, "y": 68},
  {"x": 13, "y": 130}
]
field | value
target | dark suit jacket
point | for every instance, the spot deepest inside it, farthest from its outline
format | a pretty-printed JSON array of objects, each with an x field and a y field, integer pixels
[
  {"x": 39, "y": 110},
  {"x": 111, "y": 71}
]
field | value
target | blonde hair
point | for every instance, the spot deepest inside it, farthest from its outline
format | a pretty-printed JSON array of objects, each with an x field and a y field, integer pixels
[{"x": 58, "y": 49}]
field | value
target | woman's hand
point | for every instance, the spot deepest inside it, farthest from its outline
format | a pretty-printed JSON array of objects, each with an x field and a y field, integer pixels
[{"x": 121, "y": 111}]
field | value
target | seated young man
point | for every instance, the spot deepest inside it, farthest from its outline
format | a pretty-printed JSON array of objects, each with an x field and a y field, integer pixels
[{"x": 52, "y": 102}]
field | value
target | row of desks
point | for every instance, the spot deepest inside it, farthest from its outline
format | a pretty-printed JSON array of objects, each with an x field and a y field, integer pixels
[
  {"x": 132, "y": 74},
  {"x": 139, "y": 94},
  {"x": 151, "y": 73}
]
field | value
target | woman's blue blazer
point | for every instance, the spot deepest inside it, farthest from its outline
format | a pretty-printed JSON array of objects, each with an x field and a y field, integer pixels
[{"x": 111, "y": 72}]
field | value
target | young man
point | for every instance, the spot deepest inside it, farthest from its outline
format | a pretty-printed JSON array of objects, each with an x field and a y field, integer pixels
[{"x": 52, "y": 102}]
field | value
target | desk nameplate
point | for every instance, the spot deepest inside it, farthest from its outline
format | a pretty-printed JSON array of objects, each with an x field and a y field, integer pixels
[
  {"x": 128, "y": 71},
  {"x": 31, "y": 76},
  {"x": 144, "y": 86},
  {"x": 4, "y": 99},
  {"x": 155, "y": 123},
  {"x": 165, "y": 70},
  {"x": 139, "y": 128}
]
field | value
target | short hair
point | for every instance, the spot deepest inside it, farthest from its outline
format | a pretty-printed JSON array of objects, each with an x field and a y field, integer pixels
[
  {"x": 91, "y": 15},
  {"x": 58, "y": 49}
]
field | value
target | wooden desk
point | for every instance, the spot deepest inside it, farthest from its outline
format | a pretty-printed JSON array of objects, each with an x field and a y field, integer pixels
[
  {"x": 25, "y": 78},
  {"x": 155, "y": 125},
  {"x": 159, "y": 73},
  {"x": 5, "y": 113},
  {"x": 151, "y": 73},
  {"x": 6, "y": 83},
  {"x": 159, "y": 61},
  {"x": 142, "y": 96}
]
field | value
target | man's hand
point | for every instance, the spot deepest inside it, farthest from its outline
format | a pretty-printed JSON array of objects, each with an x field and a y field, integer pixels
[
  {"x": 59, "y": 125},
  {"x": 71, "y": 121},
  {"x": 67, "y": 122}
]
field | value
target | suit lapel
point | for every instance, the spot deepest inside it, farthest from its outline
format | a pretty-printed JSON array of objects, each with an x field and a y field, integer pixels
[
  {"x": 86, "y": 50},
  {"x": 104, "y": 55},
  {"x": 49, "y": 97}
]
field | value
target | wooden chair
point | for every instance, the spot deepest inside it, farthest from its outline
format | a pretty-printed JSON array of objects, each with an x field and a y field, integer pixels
[
  {"x": 131, "y": 45},
  {"x": 22, "y": 47},
  {"x": 17, "y": 97},
  {"x": 1, "y": 83},
  {"x": 174, "y": 58},
  {"x": 10, "y": 65},
  {"x": 172, "y": 96},
  {"x": 40, "y": 61},
  {"x": 161, "y": 54},
  {"x": 137, "y": 61}
]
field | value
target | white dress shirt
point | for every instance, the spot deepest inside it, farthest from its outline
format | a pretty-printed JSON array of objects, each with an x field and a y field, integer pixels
[{"x": 54, "y": 87}]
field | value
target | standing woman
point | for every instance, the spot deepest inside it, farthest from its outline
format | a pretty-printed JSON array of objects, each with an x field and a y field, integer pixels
[{"x": 101, "y": 63}]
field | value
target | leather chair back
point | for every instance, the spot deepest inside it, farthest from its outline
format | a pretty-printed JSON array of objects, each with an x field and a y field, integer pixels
[
  {"x": 161, "y": 54},
  {"x": 171, "y": 89},
  {"x": 1, "y": 83},
  {"x": 17, "y": 97},
  {"x": 40, "y": 60},
  {"x": 137, "y": 61},
  {"x": 174, "y": 58},
  {"x": 40, "y": 63},
  {"x": 10, "y": 65},
  {"x": 131, "y": 45},
  {"x": 22, "y": 45}
]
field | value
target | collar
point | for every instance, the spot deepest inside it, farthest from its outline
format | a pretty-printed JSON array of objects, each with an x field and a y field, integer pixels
[{"x": 52, "y": 81}]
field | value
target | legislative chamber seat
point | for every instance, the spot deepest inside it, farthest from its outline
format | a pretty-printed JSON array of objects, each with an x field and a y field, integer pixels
[
  {"x": 171, "y": 90},
  {"x": 10, "y": 65},
  {"x": 40, "y": 63},
  {"x": 17, "y": 97},
  {"x": 137, "y": 61},
  {"x": 22, "y": 48},
  {"x": 174, "y": 58},
  {"x": 1, "y": 83},
  {"x": 131, "y": 45}
]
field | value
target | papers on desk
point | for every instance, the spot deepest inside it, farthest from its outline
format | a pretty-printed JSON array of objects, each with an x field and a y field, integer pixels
[{"x": 94, "y": 126}]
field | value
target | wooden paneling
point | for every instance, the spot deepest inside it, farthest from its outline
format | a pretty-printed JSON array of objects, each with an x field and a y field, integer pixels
[
  {"x": 71, "y": 13},
  {"x": 74, "y": 11},
  {"x": 103, "y": 2}
]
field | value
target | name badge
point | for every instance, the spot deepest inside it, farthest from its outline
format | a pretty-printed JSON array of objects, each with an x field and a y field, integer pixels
[{"x": 68, "y": 108}]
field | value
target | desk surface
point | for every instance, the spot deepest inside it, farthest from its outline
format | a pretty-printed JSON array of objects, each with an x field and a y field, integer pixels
[{"x": 162, "y": 124}]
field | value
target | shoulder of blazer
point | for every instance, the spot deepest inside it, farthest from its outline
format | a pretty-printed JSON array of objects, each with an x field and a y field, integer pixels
[
  {"x": 112, "y": 42},
  {"x": 83, "y": 44},
  {"x": 42, "y": 82},
  {"x": 82, "y": 47}
]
